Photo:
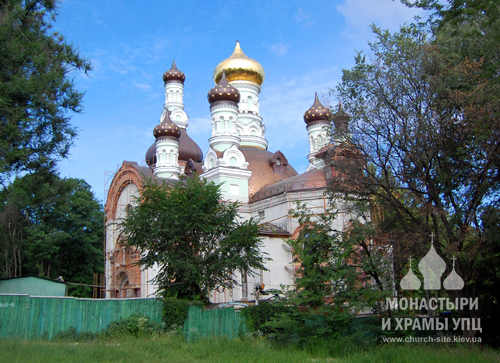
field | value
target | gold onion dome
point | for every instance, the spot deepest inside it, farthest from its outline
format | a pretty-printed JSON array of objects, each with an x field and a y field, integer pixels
[
  {"x": 166, "y": 128},
  {"x": 239, "y": 67},
  {"x": 173, "y": 74},
  {"x": 317, "y": 112},
  {"x": 223, "y": 91}
]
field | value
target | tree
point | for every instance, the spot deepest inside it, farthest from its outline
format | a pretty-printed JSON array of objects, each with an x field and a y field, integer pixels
[
  {"x": 36, "y": 90},
  {"x": 52, "y": 227},
  {"x": 342, "y": 269},
  {"x": 193, "y": 236},
  {"x": 428, "y": 126},
  {"x": 345, "y": 268}
]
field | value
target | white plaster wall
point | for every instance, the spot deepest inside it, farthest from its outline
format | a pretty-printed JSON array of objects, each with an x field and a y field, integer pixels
[{"x": 280, "y": 267}]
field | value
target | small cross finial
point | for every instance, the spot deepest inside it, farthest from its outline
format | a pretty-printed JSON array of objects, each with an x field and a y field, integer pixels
[
  {"x": 453, "y": 259},
  {"x": 432, "y": 237}
]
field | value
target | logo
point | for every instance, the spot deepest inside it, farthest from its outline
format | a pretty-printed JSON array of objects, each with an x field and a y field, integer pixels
[{"x": 432, "y": 267}]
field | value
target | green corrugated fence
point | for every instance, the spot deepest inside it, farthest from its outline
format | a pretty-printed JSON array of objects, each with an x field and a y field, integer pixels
[
  {"x": 214, "y": 323},
  {"x": 27, "y": 317}
]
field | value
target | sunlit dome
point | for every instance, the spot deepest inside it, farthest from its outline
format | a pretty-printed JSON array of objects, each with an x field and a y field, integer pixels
[{"x": 239, "y": 67}]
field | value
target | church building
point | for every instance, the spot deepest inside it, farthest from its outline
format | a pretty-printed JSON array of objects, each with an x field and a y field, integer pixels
[{"x": 241, "y": 161}]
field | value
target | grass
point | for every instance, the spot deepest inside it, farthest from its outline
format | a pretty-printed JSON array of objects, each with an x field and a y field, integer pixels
[{"x": 173, "y": 348}]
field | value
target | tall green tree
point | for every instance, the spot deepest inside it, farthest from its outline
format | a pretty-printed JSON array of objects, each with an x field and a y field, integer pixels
[
  {"x": 342, "y": 266},
  {"x": 37, "y": 92},
  {"x": 428, "y": 125},
  {"x": 194, "y": 236},
  {"x": 52, "y": 227}
]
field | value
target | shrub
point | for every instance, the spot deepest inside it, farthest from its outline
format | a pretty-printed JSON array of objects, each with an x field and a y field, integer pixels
[
  {"x": 319, "y": 328},
  {"x": 135, "y": 325},
  {"x": 175, "y": 311},
  {"x": 257, "y": 316}
]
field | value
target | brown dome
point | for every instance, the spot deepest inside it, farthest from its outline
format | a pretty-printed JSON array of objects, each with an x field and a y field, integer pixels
[
  {"x": 151, "y": 155},
  {"x": 166, "y": 128},
  {"x": 173, "y": 74},
  {"x": 265, "y": 168},
  {"x": 223, "y": 91},
  {"x": 317, "y": 112},
  {"x": 188, "y": 150},
  {"x": 341, "y": 119}
]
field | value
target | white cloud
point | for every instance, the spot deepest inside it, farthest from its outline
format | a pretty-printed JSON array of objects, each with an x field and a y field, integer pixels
[
  {"x": 279, "y": 49},
  {"x": 387, "y": 14},
  {"x": 143, "y": 86},
  {"x": 303, "y": 18}
]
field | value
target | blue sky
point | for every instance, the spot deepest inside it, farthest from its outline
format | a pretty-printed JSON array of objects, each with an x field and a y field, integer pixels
[{"x": 302, "y": 45}]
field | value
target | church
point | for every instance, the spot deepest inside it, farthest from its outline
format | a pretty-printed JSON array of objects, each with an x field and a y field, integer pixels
[{"x": 239, "y": 159}]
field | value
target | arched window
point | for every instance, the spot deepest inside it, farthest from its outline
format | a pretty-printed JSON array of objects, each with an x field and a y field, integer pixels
[
  {"x": 123, "y": 285},
  {"x": 319, "y": 143},
  {"x": 221, "y": 124}
]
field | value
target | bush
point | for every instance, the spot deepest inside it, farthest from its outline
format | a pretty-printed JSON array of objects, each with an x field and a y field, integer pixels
[
  {"x": 257, "y": 316},
  {"x": 135, "y": 325},
  {"x": 319, "y": 328},
  {"x": 175, "y": 311}
]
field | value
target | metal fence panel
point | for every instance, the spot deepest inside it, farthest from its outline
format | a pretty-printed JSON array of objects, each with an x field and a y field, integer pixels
[
  {"x": 27, "y": 317},
  {"x": 225, "y": 322}
]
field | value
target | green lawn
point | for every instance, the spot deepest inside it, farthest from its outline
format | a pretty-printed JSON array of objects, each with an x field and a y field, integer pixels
[{"x": 171, "y": 348}]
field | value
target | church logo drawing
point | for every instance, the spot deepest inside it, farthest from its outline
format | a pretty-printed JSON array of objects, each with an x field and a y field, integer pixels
[{"x": 432, "y": 267}]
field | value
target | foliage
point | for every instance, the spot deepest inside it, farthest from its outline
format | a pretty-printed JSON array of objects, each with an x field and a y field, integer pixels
[
  {"x": 51, "y": 227},
  {"x": 36, "y": 91},
  {"x": 344, "y": 270},
  {"x": 135, "y": 325},
  {"x": 489, "y": 272},
  {"x": 175, "y": 311},
  {"x": 258, "y": 315},
  {"x": 428, "y": 126},
  {"x": 306, "y": 328},
  {"x": 321, "y": 329},
  {"x": 194, "y": 237}
]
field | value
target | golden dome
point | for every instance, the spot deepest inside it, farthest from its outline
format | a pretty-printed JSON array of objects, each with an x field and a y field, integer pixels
[{"x": 239, "y": 67}]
